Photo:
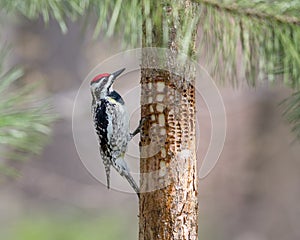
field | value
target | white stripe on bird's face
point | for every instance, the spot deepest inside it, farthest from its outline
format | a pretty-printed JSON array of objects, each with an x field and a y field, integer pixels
[
  {"x": 102, "y": 88},
  {"x": 101, "y": 85}
]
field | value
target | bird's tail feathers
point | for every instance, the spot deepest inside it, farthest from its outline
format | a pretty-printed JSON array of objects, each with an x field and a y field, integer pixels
[
  {"x": 107, "y": 172},
  {"x": 121, "y": 167}
]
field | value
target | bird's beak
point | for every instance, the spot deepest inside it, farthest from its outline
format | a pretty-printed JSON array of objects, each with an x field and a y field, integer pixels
[{"x": 117, "y": 73}]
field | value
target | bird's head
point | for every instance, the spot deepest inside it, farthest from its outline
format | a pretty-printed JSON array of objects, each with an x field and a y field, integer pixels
[{"x": 101, "y": 85}]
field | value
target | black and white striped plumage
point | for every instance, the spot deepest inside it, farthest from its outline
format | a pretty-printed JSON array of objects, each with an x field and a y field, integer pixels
[{"x": 112, "y": 125}]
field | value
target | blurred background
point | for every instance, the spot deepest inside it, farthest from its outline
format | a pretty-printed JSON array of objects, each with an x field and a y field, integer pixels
[{"x": 252, "y": 194}]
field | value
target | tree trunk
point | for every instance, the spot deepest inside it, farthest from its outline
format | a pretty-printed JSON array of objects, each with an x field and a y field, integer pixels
[{"x": 168, "y": 199}]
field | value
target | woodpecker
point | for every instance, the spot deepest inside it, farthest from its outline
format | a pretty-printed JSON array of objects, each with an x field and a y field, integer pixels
[{"x": 111, "y": 122}]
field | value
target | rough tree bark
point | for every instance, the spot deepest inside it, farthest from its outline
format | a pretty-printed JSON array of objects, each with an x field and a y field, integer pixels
[{"x": 168, "y": 202}]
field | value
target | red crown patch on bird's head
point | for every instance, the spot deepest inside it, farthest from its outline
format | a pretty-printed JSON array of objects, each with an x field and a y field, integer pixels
[{"x": 98, "y": 77}]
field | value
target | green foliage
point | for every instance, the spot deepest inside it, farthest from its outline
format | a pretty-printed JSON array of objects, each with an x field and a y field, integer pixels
[
  {"x": 60, "y": 10},
  {"x": 114, "y": 17},
  {"x": 265, "y": 33},
  {"x": 257, "y": 41},
  {"x": 254, "y": 40},
  {"x": 292, "y": 112},
  {"x": 282, "y": 10},
  {"x": 24, "y": 123},
  {"x": 117, "y": 18}
]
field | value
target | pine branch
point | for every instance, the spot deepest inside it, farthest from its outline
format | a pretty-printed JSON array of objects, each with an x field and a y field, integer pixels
[
  {"x": 266, "y": 41},
  {"x": 254, "y": 40},
  {"x": 251, "y": 9},
  {"x": 292, "y": 112},
  {"x": 121, "y": 19},
  {"x": 24, "y": 123},
  {"x": 60, "y": 10}
]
